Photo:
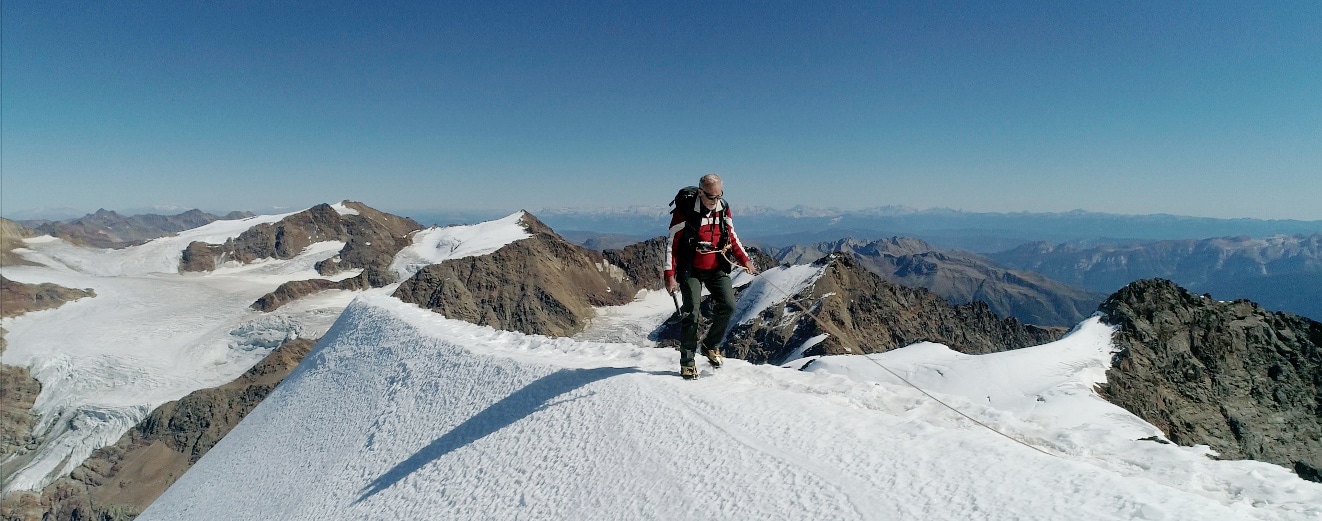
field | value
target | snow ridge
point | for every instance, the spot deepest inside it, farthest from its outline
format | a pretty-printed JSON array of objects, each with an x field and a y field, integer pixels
[{"x": 400, "y": 413}]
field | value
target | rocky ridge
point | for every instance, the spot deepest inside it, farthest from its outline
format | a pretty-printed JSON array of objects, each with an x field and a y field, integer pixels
[
  {"x": 961, "y": 277},
  {"x": 863, "y": 313},
  {"x": 1242, "y": 380}
]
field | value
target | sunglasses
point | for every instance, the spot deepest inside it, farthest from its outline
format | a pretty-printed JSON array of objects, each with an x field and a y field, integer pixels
[{"x": 710, "y": 197}]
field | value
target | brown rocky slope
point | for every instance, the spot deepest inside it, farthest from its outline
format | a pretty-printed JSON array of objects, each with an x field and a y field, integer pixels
[
  {"x": 11, "y": 236},
  {"x": 538, "y": 285},
  {"x": 1242, "y": 380}
]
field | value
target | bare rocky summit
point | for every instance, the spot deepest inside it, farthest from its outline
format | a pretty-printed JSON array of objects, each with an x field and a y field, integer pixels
[
  {"x": 539, "y": 285},
  {"x": 1242, "y": 380}
]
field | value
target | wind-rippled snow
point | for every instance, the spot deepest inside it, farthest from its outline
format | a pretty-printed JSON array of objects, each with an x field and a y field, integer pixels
[{"x": 400, "y": 413}]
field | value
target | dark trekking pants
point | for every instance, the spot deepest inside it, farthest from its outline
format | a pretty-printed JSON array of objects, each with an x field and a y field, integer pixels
[{"x": 722, "y": 295}]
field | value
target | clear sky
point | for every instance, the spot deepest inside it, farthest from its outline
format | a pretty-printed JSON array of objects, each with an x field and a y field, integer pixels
[{"x": 1206, "y": 108}]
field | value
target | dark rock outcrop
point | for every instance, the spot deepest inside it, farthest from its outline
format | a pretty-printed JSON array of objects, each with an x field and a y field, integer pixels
[
  {"x": 862, "y": 313},
  {"x": 1245, "y": 381},
  {"x": 539, "y": 285},
  {"x": 961, "y": 277},
  {"x": 642, "y": 262},
  {"x": 119, "y": 481},
  {"x": 294, "y": 290}
]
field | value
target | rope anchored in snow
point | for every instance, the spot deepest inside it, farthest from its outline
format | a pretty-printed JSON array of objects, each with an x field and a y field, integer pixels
[{"x": 807, "y": 312}]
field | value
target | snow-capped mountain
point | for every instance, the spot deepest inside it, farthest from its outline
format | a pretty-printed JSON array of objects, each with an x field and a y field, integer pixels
[{"x": 399, "y": 412}]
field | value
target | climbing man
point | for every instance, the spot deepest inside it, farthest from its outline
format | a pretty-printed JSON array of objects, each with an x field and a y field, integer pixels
[{"x": 700, "y": 244}]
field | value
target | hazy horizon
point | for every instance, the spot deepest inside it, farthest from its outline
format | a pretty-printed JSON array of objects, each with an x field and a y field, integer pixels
[{"x": 66, "y": 213}]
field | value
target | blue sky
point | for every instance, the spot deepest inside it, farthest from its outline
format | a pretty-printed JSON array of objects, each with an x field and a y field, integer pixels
[{"x": 1208, "y": 109}]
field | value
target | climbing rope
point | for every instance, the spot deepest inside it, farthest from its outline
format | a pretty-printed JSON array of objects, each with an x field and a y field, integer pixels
[{"x": 822, "y": 324}]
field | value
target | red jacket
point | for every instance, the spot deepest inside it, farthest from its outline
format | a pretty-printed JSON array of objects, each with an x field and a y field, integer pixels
[{"x": 709, "y": 231}]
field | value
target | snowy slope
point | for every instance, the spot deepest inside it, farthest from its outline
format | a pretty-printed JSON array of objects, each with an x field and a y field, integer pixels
[
  {"x": 434, "y": 245},
  {"x": 151, "y": 334},
  {"x": 399, "y": 413}
]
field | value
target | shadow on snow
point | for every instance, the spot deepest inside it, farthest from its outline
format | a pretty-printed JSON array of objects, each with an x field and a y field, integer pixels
[{"x": 536, "y": 396}]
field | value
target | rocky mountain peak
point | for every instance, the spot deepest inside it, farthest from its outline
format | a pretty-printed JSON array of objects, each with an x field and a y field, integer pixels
[
  {"x": 862, "y": 313},
  {"x": 539, "y": 285},
  {"x": 371, "y": 239},
  {"x": 1245, "y": 381}
]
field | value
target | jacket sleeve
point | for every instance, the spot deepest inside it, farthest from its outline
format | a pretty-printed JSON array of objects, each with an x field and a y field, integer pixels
[
  {"x": 673, "y": 239},
  {"x": 735, "y": 246}
]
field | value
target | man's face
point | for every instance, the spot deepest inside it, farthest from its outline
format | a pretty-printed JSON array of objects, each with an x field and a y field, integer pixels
[{"x": 711, "y": 194}]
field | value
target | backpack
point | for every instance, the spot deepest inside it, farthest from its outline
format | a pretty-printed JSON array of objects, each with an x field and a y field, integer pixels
[{"x": 687, "y": 204}]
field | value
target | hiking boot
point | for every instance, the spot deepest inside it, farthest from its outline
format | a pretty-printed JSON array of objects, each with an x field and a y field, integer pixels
[
  {"x": 714, "y": 358},
  {"x": 689, "y": 372}
]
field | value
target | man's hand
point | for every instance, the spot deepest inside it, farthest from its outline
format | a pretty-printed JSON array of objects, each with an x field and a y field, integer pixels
[
  {"x": 671, "y": 285},
  {"x": 750, "y": 267}
]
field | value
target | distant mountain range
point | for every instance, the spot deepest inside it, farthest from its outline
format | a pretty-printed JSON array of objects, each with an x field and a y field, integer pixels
[
  {"x": 1282, "y": 273},
  {"x": 108, "y": 229},
  {"x": 942, "y": 227}
]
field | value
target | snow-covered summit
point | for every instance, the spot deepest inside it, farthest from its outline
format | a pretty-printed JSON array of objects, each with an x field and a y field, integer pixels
[{"x": 435, "y": 245}]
